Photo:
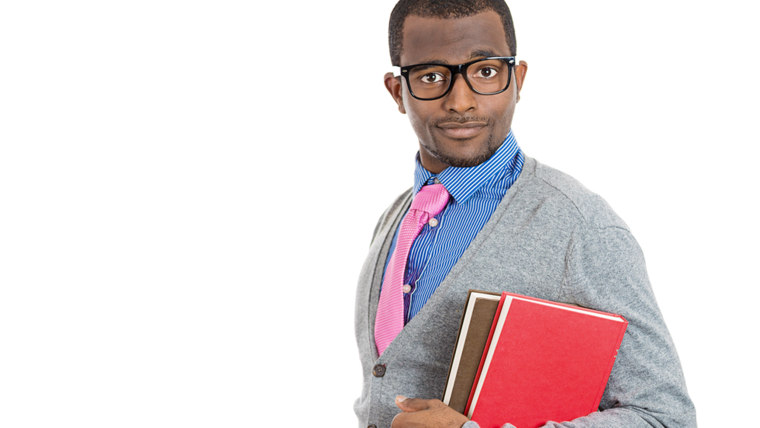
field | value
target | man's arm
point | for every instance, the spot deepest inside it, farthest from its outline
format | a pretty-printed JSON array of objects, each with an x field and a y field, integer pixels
[{"x": 605, "y": 270}]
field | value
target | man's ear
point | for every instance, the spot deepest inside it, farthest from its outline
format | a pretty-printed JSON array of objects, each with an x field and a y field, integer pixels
[
  {"x": 521, "y": 70},
  {"x": 393, "y": 85}
]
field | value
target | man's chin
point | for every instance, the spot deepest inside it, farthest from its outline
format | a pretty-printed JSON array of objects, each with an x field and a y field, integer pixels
[
  {"x": 463, "y": 161},
  {"x": 461, "y": 153},
  {"x": 467, "y": 163},
  {"x": 466, "y": 160}
]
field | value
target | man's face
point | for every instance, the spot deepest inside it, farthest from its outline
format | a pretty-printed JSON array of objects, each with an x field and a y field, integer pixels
[{"x": 463, "y": 128}]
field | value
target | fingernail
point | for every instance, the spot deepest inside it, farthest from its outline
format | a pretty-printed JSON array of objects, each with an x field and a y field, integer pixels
[{"x": 400, "y": 398}]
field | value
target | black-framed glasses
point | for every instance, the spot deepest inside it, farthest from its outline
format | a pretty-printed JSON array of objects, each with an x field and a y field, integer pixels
[{"x": 485, "y": 76}]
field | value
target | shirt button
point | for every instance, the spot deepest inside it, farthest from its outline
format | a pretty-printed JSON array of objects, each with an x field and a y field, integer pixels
[
  {"x": 378, "y": 370},
  {"x": 407, "y": 288},
  {"x": 436, "y": 181},
  {"x": 433, "y": 222}
]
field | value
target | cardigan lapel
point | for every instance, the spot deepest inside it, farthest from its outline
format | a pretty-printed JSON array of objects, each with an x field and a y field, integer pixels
[{"x": 385, "y": 238}]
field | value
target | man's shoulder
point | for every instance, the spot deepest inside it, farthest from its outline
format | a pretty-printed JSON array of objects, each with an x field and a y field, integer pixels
[
  {"x": 550, "y": 185},
  {"x": 392, "y": 212}
]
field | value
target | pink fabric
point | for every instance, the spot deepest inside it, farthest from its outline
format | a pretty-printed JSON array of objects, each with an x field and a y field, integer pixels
[{"x": 428, "y": 203}]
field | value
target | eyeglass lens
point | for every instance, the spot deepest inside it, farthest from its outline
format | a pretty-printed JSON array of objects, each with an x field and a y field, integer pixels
[{"x": 489, "y": 76}]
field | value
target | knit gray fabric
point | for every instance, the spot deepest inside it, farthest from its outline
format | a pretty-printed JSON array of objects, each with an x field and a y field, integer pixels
[{"x": 549, "y": 238}]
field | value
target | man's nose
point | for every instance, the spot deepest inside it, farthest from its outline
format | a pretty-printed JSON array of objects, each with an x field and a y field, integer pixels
[{"x": 460, "y": 98}]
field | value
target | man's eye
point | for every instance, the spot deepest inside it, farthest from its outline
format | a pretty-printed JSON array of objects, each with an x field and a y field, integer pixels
[
  {"x": 487, "y": 72},
  {"x": 432, "y": 78}
]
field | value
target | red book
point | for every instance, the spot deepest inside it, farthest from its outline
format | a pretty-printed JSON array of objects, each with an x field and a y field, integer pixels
[{"x": 545, "y": 361}]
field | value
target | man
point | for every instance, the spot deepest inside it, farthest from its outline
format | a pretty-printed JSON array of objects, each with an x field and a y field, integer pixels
[{"x": 482, "y": 215}]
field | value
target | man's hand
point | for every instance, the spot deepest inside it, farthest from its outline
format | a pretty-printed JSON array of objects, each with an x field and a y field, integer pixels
[{"x": 419, "y": 413}]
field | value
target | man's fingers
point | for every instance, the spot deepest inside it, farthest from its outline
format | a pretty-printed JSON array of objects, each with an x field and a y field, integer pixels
[
  {"x": 421, "y": 413},
  {"x": 412, "y": 404}
]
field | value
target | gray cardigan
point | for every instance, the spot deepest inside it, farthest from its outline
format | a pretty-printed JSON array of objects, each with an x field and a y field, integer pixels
[{"x": 550, "y": 238}]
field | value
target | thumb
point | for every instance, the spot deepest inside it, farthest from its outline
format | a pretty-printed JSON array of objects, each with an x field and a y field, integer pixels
[{"x": 411, "y": 404}]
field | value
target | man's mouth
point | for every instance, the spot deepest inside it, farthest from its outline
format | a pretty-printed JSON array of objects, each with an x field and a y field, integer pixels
[{"x": 461, "y": 130}]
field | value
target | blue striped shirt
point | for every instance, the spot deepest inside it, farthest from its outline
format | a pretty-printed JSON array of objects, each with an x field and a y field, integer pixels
[{"x": 475, "y": 193}]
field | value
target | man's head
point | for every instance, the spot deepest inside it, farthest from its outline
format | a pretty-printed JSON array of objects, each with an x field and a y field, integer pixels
[
  {"x": 447, "y": 9},
  {"x": 462, "y": 128}
]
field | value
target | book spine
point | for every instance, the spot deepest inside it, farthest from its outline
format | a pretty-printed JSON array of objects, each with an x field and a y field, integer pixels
[
  {"x": 446, "y": 398},
  {"x": 467, "y": 410}
]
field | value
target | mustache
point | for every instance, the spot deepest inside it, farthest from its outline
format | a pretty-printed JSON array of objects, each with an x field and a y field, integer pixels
[{"x": 461, "y": 119}]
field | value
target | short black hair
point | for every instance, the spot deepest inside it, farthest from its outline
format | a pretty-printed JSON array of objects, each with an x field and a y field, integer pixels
[{"x": 444, "y": 9}]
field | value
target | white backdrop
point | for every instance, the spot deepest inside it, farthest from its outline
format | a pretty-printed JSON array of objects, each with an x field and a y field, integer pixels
[{"x": 188, "y": 189}]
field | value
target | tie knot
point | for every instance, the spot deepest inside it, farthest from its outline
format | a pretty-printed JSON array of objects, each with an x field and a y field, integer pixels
[{"x": 431, "y": 199}]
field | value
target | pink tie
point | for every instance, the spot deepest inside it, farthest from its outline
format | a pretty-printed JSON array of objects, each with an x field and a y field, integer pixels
[{"x": 428, "y": 203}]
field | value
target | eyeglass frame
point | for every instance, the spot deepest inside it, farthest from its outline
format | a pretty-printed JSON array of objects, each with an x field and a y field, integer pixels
[{"x": 458, "y": 69}]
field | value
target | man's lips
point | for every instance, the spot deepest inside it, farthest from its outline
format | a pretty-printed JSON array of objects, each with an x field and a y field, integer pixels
[{"x": 461, "y": 130}]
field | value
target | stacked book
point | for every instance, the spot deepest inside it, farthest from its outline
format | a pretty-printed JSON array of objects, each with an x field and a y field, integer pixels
[{"x": 528, "y": 361}]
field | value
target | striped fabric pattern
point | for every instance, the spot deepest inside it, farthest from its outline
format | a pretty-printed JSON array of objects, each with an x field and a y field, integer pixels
[{"x": 475, "y": 193}]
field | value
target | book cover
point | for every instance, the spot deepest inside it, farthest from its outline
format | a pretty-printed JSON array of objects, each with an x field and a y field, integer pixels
[{"x": 546, "y": 361}]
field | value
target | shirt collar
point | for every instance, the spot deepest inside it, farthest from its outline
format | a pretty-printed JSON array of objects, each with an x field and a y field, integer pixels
[{"x": 463, "y": 182}]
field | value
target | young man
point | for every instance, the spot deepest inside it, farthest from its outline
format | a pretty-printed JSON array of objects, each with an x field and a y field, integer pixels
[{"x": 482, "y": 215}]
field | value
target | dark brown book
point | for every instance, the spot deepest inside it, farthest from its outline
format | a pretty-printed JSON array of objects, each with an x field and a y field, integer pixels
[{"x": 477, "y": 318}]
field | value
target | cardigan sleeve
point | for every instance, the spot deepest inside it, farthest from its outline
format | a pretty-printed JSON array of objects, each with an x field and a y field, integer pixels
[{"x": 605, "y": 270}]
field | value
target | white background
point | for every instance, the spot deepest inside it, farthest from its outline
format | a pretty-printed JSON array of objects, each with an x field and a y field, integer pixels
[{"x": 188, "y": 189}]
